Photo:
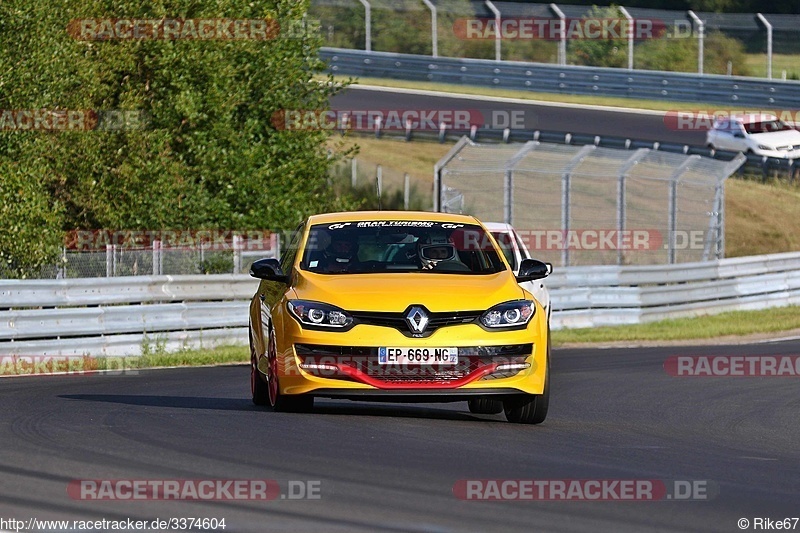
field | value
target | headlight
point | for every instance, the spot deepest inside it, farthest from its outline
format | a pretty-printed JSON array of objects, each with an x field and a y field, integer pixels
[
  {"x": 316, "y": 314},
  {"x": 509, "y": 314},
  {"x": 768, "y": 148}
]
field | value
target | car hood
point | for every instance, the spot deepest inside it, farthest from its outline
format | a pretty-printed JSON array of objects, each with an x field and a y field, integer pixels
[
  {"x": 394, "y": 292},
  {"x": 778, "y": 138}
]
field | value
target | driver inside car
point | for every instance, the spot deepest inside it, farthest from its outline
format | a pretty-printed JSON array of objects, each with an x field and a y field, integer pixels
[
  {"x": 434, "y": 250},
  {"x": 340, "y": 254}
]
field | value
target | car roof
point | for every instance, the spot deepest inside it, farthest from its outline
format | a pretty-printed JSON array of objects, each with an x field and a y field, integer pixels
[
  {"x": 498, "y": 226},
  {"x": 359, "y": 216},
  {"x": 750, "y": 118}
]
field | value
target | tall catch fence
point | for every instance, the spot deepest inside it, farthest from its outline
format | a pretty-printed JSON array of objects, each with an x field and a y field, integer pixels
[{"x": 589, "y": 205}]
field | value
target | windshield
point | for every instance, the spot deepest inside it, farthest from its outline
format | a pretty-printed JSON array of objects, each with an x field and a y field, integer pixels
[
  {"x": 766, "y": 126},
  {"x": 400, "y": 246}
]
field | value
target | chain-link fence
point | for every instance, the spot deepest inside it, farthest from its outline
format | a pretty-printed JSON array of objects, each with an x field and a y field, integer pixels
[
  {"x": 380, "y": 186},
  {"x": 120, "y": 260},
  {"x": 588, "y": 205}
]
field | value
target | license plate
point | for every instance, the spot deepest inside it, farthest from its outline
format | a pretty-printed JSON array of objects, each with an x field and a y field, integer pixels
[{"x": 417, "y": 356}]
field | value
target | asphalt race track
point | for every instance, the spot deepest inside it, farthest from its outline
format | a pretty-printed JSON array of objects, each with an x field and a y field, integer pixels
[
  {"x": 595, "y": 121},
  {"x": 615, "y": 414}
]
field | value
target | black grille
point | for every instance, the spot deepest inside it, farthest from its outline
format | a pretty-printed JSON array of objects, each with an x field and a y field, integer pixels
[
  {"x": 310, "y": 350},
  {"x": 365, "y": 360},
  {"x": 398, "y": 320}
]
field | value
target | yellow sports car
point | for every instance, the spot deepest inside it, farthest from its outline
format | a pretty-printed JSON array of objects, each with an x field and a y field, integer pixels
[{"x": 399, "y": 306}]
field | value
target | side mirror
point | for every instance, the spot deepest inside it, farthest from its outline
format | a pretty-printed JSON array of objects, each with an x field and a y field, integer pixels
[
  {"x": 268, "y": 269},
  {"x": 532, "y": 269},
  {"x": 738, "y": 135}
]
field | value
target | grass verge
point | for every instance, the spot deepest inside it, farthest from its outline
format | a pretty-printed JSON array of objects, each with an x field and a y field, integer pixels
[
  {"x": 735, "y": 323},
  {"x": 119, "y": 365},
  {"x": 213, "y": 356},
  {"x": 757, "y": 64}
]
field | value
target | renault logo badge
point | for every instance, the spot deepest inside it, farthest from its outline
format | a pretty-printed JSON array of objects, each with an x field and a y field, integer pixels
[{"x": 417, "y": 319}]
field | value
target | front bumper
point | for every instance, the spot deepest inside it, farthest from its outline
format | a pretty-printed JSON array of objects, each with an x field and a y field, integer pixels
[{"x": 342, "y": 364}]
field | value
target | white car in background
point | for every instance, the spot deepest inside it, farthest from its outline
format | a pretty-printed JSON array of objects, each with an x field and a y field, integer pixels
[
  {"x": 515, "y": 251},
  {"x": 757, "y": 133}
]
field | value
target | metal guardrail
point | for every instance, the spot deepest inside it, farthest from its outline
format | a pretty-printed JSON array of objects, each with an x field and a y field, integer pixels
[
  {"x": 612, "y": 295},
  {"x": 77, "y": 317},
  {"x": 653, "y": 85},
  {"x": 123, "y": 315}
]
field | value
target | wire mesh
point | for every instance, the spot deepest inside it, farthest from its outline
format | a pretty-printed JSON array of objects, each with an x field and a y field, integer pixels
[{"x": 587, "y": 205}]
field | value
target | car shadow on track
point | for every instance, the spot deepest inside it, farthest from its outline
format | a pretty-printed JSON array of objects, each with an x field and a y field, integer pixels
[
  {"x": 180, "y": 402},
  {"x": 389, "y": 410},
  {"x": 393, "y": 410}
]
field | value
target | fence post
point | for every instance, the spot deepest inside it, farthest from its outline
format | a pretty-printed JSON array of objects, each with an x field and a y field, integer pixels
[
  {"x": 379, "y": 184},
  {"x": 621, "y": 199},
  {"x": 562, "y": 44},
  {"x": 767, "y": 25},
  {"x": 61, "y": 273},
  {"x": 508, "y": 198},
  {"x": 721, "y": 220},
  {"x": 566, "y": 185},
  {"x": 672, "y": 223},
  {"x": 109, "y": 260},
  {"x": 700, "y": 36},
  {"x": 629, "y": 35},
  {"x": 156, "y": 257},
  {"x": 367, "y": 25},
  {"x": 498, "y": 53},
  {"x": 406, "y": 190},
  {"x": 237, "y": 253},
  {"x": 434, "y": 29}
]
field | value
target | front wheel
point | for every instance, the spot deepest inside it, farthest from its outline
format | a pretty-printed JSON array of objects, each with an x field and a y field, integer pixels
[
  {"x": 281, "y": 402},
  {"x": 530, "y": 408},
  {"x": 258, "y": 388},
  {"x": 527, "y": 408}
]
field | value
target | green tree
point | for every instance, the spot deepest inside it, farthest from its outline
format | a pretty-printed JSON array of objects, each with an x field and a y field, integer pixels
[
  {"x": 209, "y": 156},
  {"x": 602, "y": 52}
]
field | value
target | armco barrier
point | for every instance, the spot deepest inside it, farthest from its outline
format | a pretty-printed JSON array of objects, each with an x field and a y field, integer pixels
[
  {"x": 122, "y": 315},
  {"x": 599, "y": 81},
  {"x": 610, "y": 295},
  {"x": 119, "y": 316}
]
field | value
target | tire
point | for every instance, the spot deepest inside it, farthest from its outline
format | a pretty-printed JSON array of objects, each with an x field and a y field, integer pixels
[
  {"x": 485, "y": 406},
  {"x": 280, "y": 402},
  {"x": 530, "y": 408},
  {"x": 258, "y": 388}
]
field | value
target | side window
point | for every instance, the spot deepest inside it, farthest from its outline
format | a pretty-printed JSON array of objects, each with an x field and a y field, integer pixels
[
  {"x": 523, "y": 251},
  {"x": 289, "y": 255},
  {"x": 504, "y": 240}
]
